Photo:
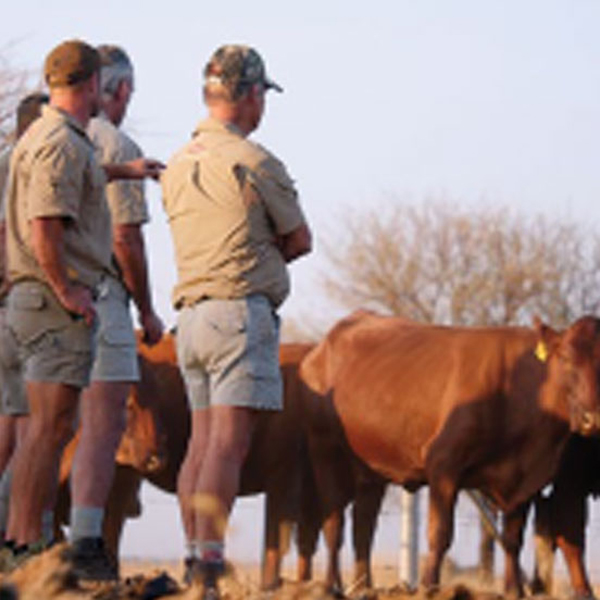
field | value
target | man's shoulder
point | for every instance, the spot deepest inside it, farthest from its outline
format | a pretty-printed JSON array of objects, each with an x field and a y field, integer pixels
[
  {"x": 114, "y": 144},
  {"x": 47, "y": 137}
]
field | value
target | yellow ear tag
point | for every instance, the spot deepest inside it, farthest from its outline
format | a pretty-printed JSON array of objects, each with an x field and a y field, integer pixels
[{"x": 541, "y": 351}]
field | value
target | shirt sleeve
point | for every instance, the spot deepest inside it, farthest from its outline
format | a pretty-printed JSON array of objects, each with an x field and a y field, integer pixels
[
  {"x": 126, "y": 198},
  {"x": 55, "y": 187},
  {"x": 279, "y": 195}
]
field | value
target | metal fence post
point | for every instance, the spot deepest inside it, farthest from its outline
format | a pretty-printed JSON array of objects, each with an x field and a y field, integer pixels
[{"x": 409, "y": 538}]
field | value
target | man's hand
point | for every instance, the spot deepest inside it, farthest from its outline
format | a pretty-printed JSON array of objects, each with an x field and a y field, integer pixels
[
  {"x": 145, "y": 167},
  {"x": 153, "y": 328},
  {"x": 139, "y": 168},
  {"x": 77, "y": 299}
]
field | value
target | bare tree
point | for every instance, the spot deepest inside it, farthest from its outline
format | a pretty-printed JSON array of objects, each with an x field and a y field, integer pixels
[
  {"x": 438, "y": 262},
  {"x": 13, "y": 84},
  {"x": 12, "y": 87}
]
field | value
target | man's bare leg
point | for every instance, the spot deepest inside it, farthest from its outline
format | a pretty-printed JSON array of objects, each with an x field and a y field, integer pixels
[
  {"x": 7, "y": 439},
  {"x": 52, "y": 412},
  {"x": 189, "y": 472},
  {"x": 230, "y": 435},
  {"x": 102, "y": 418},
  {"x": 18, "y": 426}
]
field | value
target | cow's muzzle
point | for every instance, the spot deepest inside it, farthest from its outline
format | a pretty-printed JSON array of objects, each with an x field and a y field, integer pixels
[{"x": 587, "y": 423}]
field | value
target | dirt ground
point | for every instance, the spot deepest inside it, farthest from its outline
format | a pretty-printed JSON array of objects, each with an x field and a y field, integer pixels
[{"x": 49, "y": 577}]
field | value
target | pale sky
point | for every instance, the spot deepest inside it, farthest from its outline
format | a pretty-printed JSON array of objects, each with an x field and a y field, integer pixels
[{"x": 478, "y": 101}]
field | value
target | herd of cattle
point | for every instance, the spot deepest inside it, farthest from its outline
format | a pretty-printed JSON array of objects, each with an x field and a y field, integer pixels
[{"x": 504, "y": 411}]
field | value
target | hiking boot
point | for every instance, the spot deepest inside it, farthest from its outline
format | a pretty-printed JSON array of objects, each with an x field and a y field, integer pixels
[
  {"x": 204, "y": 574},
  {"x": 12, "y": 556},
  {"x": 192, "y": 573},
  {"x": 91, "y": 561}
]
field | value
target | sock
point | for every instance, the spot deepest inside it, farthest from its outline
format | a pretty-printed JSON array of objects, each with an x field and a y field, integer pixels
[
  {"x": 193, "y": 549},
  {"x": 47, "y": 526},
  {"x": 5, "y": 482},
  {"x": 86, "y": 522},
  {"x": 211, "y": 551}
]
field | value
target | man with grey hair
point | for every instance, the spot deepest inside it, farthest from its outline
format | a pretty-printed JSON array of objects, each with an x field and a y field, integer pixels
[
  {"x": 235, "y": 221},
  {"x": 115, "y": 366}
]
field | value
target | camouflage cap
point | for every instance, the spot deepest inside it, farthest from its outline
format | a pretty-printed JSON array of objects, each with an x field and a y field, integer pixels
[
  {"x": 236, "y": 67},
  {"x": 71, "y": 62}
]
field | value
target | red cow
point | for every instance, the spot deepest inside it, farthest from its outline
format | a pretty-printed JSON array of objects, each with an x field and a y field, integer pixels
[
  {"x": 461, "y": 408},
  {"x": 299, "y": 457}
]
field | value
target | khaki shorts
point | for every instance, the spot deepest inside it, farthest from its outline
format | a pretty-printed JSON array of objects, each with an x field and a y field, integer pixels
[
  {"x": 13, "y": 399},
  {"x": 53, "y": 345},
  {"x": 228, "y": 353},
  {"x": 116, "y": 351}
]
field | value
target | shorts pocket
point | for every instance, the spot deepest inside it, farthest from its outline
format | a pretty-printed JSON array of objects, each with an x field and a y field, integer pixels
[
  {"x": 228, "y": 317},
  {"x": 32, "y": 312}
]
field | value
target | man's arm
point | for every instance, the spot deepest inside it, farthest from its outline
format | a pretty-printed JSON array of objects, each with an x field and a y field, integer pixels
[
  {"x": 4, "y": 274},
  {"x": 296, "y": 243},
  {"x": 129, "y": 250},
  {"x": 47, "y": 239},
  {"x": 139, "y": 168}
]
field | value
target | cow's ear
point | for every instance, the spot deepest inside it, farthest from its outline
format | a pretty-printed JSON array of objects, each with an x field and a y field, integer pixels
[{"x": 548, "y": 339}]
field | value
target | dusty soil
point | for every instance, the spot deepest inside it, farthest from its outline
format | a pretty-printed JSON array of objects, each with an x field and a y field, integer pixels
[{"x": 49, "y": 577}]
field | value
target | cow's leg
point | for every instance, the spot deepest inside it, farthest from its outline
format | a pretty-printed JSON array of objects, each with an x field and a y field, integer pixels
[
  {"x": 274, "y": 532},
  {"x": 544, "y": 547},
  {"x": 123, "y": 502},
  {"x": 487, "y": 546},
  {"x": 364, "y": 520},
  {"x": 309, "y": 526},
  {"x": 442, "y": 498},
  {"x": 569, "y": 529},
  {"x": 333, "y": 532},
  {"x": 514, "y": 524}
]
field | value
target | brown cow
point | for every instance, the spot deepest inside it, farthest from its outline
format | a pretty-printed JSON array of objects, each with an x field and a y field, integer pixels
[
  {"x": 297, "y": 489},
  {"x": 461, "y": 408},
  {"x": 275, "y": 461},
  {"x": 561, "y": 517}
]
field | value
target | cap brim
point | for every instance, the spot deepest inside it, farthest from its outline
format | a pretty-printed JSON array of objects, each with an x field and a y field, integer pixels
[{"x": 271, "y": 85}]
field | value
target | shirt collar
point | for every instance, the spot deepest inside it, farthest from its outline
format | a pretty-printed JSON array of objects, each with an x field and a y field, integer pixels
[
  {"x": 54, "y": 113},
  {"x": 212, "y": 125}
]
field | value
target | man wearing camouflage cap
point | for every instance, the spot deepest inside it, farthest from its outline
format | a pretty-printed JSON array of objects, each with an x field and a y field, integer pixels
[
  {"x": 115, "y": 368},
  {"x": 235, "y": 222},
  {"x": 59, "y": 261}
]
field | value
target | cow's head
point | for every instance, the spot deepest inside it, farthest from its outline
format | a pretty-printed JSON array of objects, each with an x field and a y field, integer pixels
[
  {"x": 143, "y": 444},
  {"x": 573, "y": 358}
]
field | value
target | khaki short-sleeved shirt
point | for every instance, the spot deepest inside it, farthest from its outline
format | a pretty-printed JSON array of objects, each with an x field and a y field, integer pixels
[
  {"x": 4, "y": 162},
  {"x": 226, "y": 200},
  {"x": 54, "y": 173},
  {"x": 126, "y": 199}
]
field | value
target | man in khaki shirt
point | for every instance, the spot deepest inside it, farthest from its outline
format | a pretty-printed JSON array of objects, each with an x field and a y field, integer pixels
[
  {"x": 102, "y": 408},
  {"x": 13, "y": 401},
  {"x": 235, "y": 222},
  {"x": 59, "y": 255}
]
